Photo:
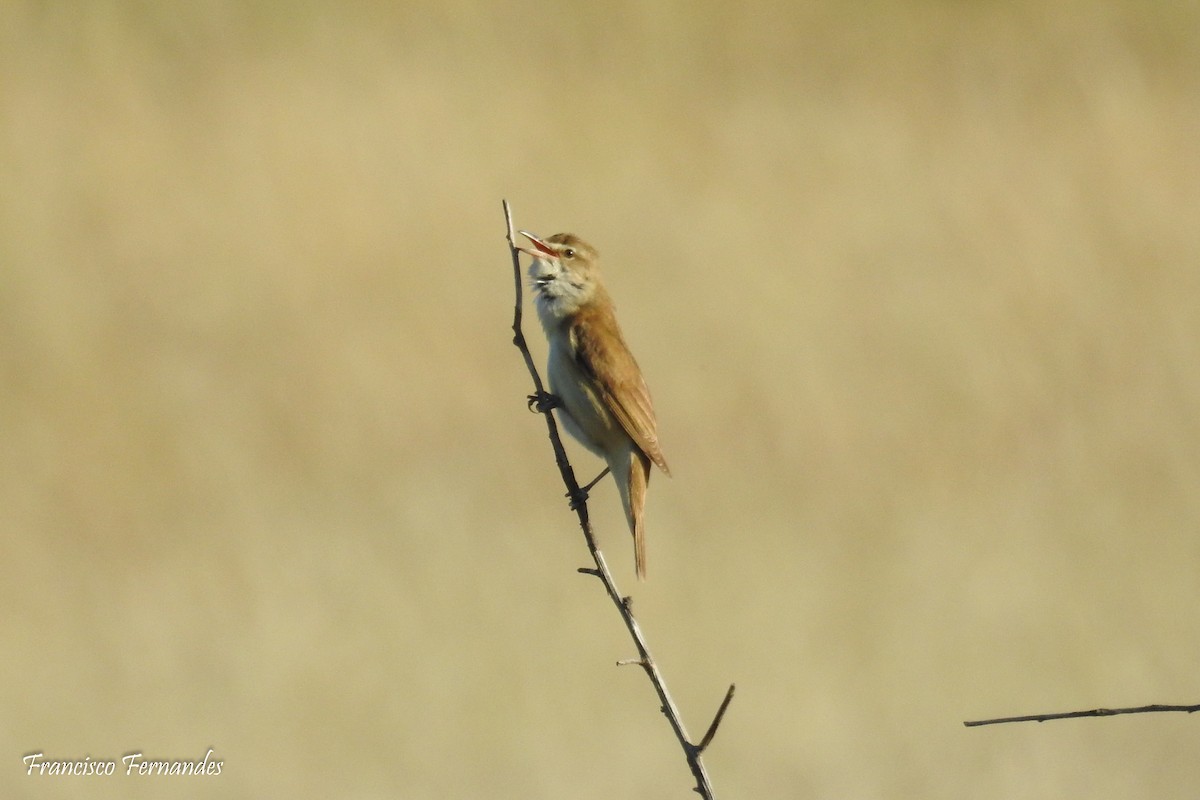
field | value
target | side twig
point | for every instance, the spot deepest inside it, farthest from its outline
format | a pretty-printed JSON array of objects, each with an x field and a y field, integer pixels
[
  {"x": 538, "y": 402},
  {"x": 1095, "y": 712}
]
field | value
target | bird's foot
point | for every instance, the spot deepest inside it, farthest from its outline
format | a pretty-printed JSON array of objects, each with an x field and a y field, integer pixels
[
  {"x": 541, "y": 402},
  {"x": 577, "y": 498},
  {"x": 580, "y": 497}
]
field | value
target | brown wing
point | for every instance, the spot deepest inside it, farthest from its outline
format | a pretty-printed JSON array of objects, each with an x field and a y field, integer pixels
[{"x": 601, "y": 353}]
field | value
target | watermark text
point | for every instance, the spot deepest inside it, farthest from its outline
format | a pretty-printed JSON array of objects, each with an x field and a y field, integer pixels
[{"x": 132, "y": 763}]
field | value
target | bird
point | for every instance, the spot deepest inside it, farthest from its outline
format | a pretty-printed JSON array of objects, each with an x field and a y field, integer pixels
[{"x": 602, "y": 398}]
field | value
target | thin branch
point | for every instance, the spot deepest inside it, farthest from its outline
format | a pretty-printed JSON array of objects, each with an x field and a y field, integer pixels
[
  {"x": 712, "y": 728},
  {"x": 1095, "y": 712},
  {"x": 540, "y": 401}
]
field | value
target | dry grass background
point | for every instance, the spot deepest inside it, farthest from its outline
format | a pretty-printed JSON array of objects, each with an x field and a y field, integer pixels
[{"x": 917, "y": 288}]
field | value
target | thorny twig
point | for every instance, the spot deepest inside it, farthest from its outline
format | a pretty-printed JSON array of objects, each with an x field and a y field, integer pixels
[{"x": 1095, "y": 712}]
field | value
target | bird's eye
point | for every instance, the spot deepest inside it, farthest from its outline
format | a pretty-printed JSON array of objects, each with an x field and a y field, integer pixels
[{"x": 568, "y": 253}]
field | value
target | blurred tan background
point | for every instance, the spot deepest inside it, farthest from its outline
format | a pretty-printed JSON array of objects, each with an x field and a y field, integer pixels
[{"x": 916, "y": 287}]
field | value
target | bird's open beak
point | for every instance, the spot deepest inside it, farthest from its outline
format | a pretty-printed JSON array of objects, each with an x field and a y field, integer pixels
[{"x": 543, "y": 250}]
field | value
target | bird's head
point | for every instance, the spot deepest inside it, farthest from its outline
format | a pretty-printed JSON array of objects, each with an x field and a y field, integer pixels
[{"x": 564, "y": 272}]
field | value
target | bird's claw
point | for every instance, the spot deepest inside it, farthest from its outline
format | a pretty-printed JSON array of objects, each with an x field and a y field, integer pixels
[
  {"x": 577, "y": 498},
  {"x": 541, "y": 402}
]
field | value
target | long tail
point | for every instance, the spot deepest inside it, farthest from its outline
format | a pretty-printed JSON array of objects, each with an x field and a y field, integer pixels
[{"x": 632, "y": 473}]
